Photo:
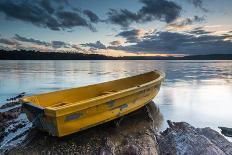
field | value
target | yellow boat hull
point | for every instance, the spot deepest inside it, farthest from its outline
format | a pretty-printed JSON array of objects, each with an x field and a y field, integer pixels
[{"x": 67, "y": 111}]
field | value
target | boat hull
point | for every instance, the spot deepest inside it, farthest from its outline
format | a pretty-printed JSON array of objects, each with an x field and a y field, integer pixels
[{"x": 60, "y": 122}]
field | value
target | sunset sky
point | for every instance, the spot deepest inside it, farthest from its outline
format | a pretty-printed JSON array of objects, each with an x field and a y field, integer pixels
[{"x": 118, "y": 27}]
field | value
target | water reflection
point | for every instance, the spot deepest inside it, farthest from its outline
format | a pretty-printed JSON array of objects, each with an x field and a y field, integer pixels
[{"x": 199, "y": 92}]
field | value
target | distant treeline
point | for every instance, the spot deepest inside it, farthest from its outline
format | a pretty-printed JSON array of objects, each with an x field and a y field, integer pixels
[{"x": 36, "y": 55}]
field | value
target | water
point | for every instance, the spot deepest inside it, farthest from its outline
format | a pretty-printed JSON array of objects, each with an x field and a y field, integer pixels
[{"x": 199, "y": 92}]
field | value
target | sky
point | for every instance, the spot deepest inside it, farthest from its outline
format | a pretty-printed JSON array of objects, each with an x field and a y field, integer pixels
[{"x": 118, "y": 27}]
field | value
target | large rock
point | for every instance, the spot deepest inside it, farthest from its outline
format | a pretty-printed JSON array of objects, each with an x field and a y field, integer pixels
[
  {"x": 131, "y": 134},
  {"x": 181, "y": 138}
]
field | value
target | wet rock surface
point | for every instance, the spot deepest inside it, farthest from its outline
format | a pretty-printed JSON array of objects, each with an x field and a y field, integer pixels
[
  {"x": 13, "y": 123},
  {"x": 182, "y": 138},
  {"x": 7, "y": 118}
]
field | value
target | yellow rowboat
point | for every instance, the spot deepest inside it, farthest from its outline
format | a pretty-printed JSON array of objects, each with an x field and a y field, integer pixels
[{"x": 67, "y": 111}]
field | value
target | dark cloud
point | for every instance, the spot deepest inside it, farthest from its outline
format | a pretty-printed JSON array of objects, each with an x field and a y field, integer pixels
[
  {"x": 199, "y": 31},
  {"x": 8, "y": 41},
  {"x": 46, "y": 4},
  {"x": 60, "y": 44},
  {"x": 198, "y": 4},
  {"x": 162, "y": 10},
  {"x": 92, "y": 16},
  {"x": 181, "y": 43},
  {"x": 54, "y": 44},
  {"x": 70, "y": 19},
  {"x": 29, "y": 13},
  {"x": 41, "y": 13},
  {"x": 131, "y": 36},
  {"x": 18, "y": 42},
  {"x": 96, "y": 45},
  {"x": 122, "y": 17},
  {"x": 185, "y": 22},
  {"x": 228, "y": 37},
  {"x": 116, "y": 43},
  {"x": 159, "y": 9},
  {"x": 31, "y": 40}
]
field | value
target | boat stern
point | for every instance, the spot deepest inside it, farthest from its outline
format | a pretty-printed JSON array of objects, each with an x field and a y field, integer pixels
[{"x": 35, "y": 114}]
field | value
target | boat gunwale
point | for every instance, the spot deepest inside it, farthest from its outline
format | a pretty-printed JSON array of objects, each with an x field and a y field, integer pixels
[{"x": 59, "y": 111}]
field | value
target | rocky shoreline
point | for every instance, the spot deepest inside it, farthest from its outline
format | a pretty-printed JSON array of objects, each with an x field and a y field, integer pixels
[
  {"x": 134, "y": 134},
  {"x": 182, "y": 138}
]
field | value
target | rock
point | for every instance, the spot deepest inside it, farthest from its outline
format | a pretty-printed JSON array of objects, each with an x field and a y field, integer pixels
[
  {"x": 135, "y": 133},
  {"x": 9, "y": 104},
  {"x": 10, "y": 114},
  {"x": 6, "y": 119},
  {"x": 217, "y": 139},
  {"x": 20, "y": 125},
  {"x": 16, "y": 97},
  {"x": 132, "y": 134},
  {"x": 132, "y": 150},
  {"x": 182, "y": 138},
  {"x": 105, "y": 151},
  {"x": 226, "y": 131}
]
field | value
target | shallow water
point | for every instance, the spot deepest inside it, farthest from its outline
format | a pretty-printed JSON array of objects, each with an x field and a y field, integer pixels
[{"x": 199, "y": 92}]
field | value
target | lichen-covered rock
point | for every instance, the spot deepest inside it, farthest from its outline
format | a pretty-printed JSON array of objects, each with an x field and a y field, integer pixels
[{"x": 182, "y": 138}]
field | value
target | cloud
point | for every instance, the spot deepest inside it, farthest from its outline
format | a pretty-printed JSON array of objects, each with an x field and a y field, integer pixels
[
  {"x": 19, "y": 42},
  {"x": 96, "y": 45},
  {"x": 199, "y": 31},
  {"x": 181, "y": 43},
  {"x": 92, "y": 16},
  {"x": 53, "y": 44},
  {"x": 71, "y": 19},
  {"x": 60, "y": 44},
  {"x": 184, "y": 22},
  {"x": 8, "y": 41},
  {"x": 123, "y": 17},
  {"x": 198, "y": 4},
  {"x": 47, "y": 6},
  {"x": 30, "y": 40},
  {"x": 42, "y": 13},
  {"x": 159, "y": 9},
  {"x": 162, "y": 10},
  {"x": 76, "y": 47},
  {"x": 116, "y": 43},
  {"x": 228, "y": 37},
  {"x": 29, "y": 13},
  {"x": 131, "y": 35}
]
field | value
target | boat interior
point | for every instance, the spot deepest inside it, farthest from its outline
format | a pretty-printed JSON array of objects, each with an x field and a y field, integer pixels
[{"x": 74, "y": 95}]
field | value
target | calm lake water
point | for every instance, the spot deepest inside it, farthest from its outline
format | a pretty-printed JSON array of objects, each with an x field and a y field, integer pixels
[{"x": 199, "y": 92}]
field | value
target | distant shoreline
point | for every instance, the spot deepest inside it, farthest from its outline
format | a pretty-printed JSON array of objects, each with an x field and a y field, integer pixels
[{"x": 36, "y": 55}]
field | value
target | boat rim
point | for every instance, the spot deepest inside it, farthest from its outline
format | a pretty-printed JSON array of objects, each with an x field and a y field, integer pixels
[{"x": 106, "y": 96}]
